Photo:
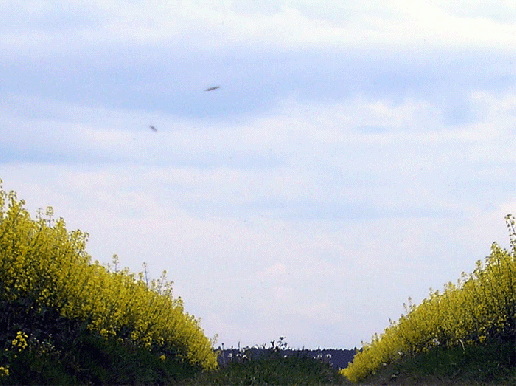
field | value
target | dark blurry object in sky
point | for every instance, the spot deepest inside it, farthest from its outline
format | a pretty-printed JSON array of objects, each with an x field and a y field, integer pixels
[
  {"x": 212, "y": 88},
  {"x": 153, "y": 128}
]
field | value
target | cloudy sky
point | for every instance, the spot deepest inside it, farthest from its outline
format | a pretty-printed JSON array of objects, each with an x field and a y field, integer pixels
[{"x": 356, "y": 153}]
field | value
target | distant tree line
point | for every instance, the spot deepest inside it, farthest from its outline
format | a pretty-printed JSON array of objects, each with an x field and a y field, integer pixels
[{"x": 338, "y": 358}]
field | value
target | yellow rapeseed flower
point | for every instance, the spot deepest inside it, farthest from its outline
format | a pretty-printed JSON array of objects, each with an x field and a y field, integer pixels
[
  {"x": 4, "y": 371},
  {"x": 41, "y": 260},
  {"x": 20, "y": 342}
]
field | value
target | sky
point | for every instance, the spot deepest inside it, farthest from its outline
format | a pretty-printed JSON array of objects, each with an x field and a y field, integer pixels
[{"x": 356, "y": 153}]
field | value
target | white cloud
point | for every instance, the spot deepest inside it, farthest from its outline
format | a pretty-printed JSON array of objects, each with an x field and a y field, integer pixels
[
  {"x": 320, "y": 212},
  {"x": 343, "y": 153},
  {"x": 276, "y": 270},
  {"x": 207, "y": 25}
]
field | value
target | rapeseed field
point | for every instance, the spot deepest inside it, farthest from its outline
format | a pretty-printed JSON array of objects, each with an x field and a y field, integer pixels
[
  {"x": 50, "y": 287},
  {"x": 479, "y": 309}
]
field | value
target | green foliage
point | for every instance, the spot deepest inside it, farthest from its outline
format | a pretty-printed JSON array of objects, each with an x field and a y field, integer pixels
[
  {"x": 273, "y": 368},
  {"x": 52, "y": 292},
  {"x": 91, "y": 358},
  {"x": 480, "y": 308},
  {"x": 485, "y": 364},
  {"x": 276, "y": 365}
]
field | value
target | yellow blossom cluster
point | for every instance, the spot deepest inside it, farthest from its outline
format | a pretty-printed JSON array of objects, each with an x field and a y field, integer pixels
[
  {"x": 480, "y": 306},
  {"x": 20, "y": 342},
  {"x": 50, "y": 265}
]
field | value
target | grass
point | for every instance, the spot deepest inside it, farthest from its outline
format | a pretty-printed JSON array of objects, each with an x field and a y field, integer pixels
[
  {"x": 41, "y": 347},
  {"x": 82, "y": 357},
  {"x": 53, "y": 350},
  {"x": 490, "y": 364},
  {"x": 272, "y": 369}
]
